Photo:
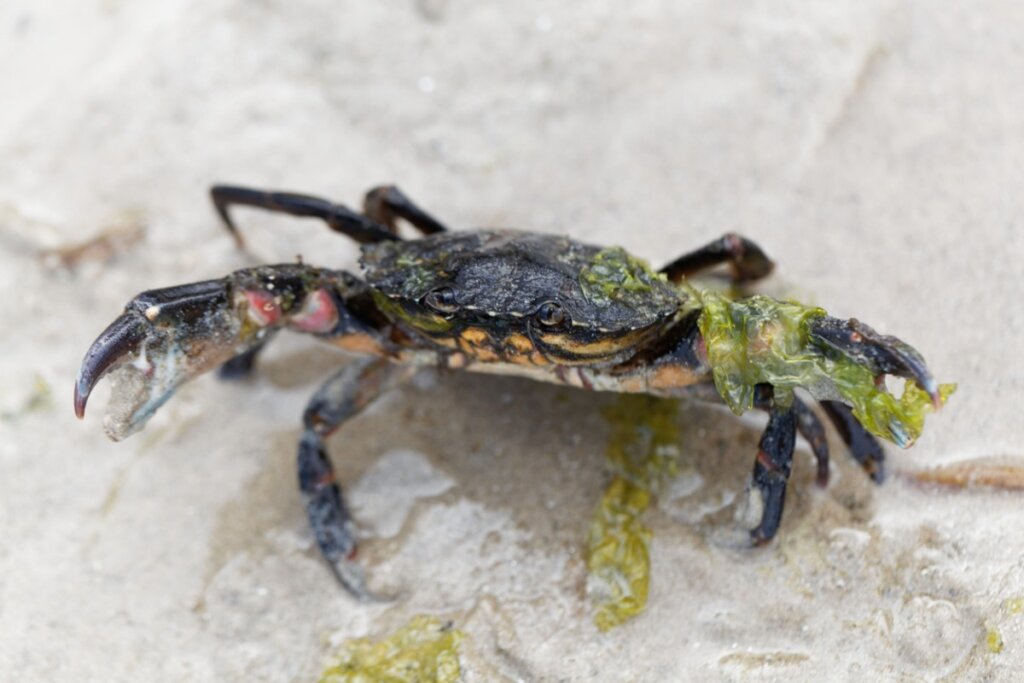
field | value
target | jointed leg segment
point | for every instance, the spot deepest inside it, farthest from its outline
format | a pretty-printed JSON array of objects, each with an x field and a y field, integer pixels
[
  {"x": 864, "y": 447},
  {"x": 774, "y": 459},
  {"x": 338, "y": 217},
  {"x": 771, "y": 470},
  {"x": 382, "y": 206},
  {"x": 746, "y": 260},
  {"x": 340, "y": 398},
  {"x": 387, "y": 203}
]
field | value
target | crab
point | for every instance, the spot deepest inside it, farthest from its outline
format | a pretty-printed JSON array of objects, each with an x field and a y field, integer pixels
[{"x": 523, "y": 303}]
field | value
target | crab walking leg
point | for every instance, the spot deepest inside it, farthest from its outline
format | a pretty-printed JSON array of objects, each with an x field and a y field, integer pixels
[
  {"x": 166, "y": 337},
  {"x": 864, "y": 447},
  {"x": 386, "y": 203},
  {"x": 338, "y": 217},
  {"x": 810, "y": 428},
  {"x": 340, "y": 398},
  {"x": 746, "y": 260},
  {"x": 242, "y": 365},
  {"x": 771, "y": 471},
  {"x": 808, "y": 425}
]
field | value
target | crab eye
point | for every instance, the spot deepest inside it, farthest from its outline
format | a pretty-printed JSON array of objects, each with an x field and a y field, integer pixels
[
  {"x": 442, "y": 300},
  {"x": 550, "y": 314}
]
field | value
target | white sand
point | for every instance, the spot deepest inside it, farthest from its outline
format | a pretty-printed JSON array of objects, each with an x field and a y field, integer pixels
[{"x": 876, "y": 149}]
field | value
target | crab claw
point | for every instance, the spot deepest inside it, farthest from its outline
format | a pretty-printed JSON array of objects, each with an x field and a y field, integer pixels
[
  {"x": 120, "y": 339},
  {"x": 164, "y": 338},
  {"x": 884, "y": 354}
]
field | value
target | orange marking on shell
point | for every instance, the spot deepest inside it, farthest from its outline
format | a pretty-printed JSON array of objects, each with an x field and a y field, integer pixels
[
  {"x": 447, "y": 342},
  {"x": 485, "y": 354},
  {"x": 519, "y": 342},
  {"x": 633, "y": 384},
  {"x": 475, "y": 336},
  {"x": 511, "y": 356},
  {"x": 457, "y": 361},
  {"x": 359, "y": 342},
  {"x": 671, "y": 376}
]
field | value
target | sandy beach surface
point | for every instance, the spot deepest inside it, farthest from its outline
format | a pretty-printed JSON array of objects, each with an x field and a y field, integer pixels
[{"x": 875, "y": 149}]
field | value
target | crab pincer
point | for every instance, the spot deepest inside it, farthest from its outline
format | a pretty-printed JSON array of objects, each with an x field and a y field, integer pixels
[
  {"x": 884, "y": 354},
  {"x": 166, "y": 337},
  {"x": 858, "y": 359},
  {"x": 163, "y": 338}
]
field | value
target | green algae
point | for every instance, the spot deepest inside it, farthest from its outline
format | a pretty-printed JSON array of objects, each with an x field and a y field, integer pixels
[
  {"x": 642, "y": 453},
  {"x": 420, "y": 274},
  {"x": 422, "y": 651},
  {"x": 763, "y": 340},
  {"x": 427, "y": 322},
  {"x": 615, "y": 274},
  {"x": 994, "y": 641}
]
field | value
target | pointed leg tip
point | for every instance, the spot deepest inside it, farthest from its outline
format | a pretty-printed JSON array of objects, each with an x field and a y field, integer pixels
[
  {"x": 353, "y": 579},
  {"x": 121, "y": 338},
  {"x": 81, "y": 398}
]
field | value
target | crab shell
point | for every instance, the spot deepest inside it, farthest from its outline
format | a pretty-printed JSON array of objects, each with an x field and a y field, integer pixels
[{"x": 500, "y": 279}]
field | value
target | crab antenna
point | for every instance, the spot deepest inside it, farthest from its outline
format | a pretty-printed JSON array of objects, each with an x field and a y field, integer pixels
[{"x": 118, "y": 340}]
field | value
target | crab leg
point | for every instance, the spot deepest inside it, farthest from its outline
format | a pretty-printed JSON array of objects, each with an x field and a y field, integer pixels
[
  {"x": 167, "y": 336},
  {"x": 747, "y": 261},
  {"x": 771, "y": 471},
  {"x": 340, "y": 398},
  {"x": 383, "y": 204},
  {"x": 338, "y": 217},
  {"x": 864, "y": 447},
  {"x": 808, "y": 425},
  {"x": 810, "y": 428}
]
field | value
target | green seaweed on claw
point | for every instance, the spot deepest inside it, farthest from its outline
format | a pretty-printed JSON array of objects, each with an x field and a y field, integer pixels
[{"x": 763, "y": 340}]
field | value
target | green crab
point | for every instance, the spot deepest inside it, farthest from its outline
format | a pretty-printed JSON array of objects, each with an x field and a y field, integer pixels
[{"x": 503, "y": 301}]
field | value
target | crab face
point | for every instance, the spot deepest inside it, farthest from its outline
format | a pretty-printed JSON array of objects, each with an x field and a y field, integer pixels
[{"x": 501, "y": 295}]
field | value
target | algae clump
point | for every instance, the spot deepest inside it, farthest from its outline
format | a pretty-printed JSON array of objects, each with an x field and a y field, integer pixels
[
  {"x": 643, "y": 452},
  {"x": 994, "y": 641},
  {"x": 763, "y": 340},
  {"x": 422, "y": 651},
  {"x": 615, "y": 274}
]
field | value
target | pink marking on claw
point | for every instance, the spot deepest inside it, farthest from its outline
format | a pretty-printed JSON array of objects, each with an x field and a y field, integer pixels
[
  {"x": 263, "y": 308},
  {"x": 319, "y": 314}
]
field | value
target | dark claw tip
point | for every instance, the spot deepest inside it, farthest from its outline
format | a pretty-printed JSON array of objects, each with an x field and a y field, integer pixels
[
  {"x": 114, "y": 343},
  {"x": 81, "y": 398}
]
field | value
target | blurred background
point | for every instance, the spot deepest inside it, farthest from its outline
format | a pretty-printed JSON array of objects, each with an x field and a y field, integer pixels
[{"x": 874, "y": 149}]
